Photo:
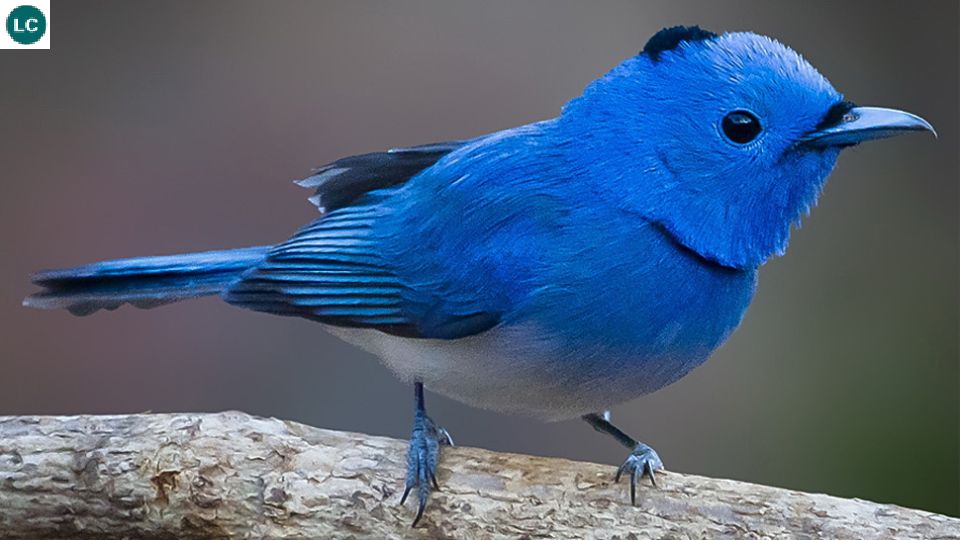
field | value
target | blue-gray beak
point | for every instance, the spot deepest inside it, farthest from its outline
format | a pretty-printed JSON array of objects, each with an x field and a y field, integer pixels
[{"x": 861, "y": 124}]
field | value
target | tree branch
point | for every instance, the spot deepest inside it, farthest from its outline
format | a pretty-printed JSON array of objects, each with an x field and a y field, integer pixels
[{"x": 230, "y": 475}]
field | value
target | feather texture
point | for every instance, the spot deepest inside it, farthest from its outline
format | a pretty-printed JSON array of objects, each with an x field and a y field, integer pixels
[
  {"x": 144, "y": 282},
  {"x": 341, "y": 183},
  {"x": 332, "y": 272}
]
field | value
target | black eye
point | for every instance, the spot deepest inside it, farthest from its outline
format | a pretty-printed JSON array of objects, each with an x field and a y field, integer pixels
[{"x": 741, "y": 127}]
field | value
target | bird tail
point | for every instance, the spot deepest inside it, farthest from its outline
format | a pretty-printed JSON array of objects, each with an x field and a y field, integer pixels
[{"x": 144, "y": 282}]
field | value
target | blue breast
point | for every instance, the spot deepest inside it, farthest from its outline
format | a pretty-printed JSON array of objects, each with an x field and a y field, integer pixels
[{"x": 629, "y": 303}]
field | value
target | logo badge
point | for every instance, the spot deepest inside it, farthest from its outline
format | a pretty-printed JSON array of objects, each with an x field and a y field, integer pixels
[{"x": 26, "y": 26}]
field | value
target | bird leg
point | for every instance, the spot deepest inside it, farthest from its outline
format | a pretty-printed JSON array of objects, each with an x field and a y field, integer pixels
[
  {"x": 425, "y": 442},
  {"x": 643, "y": 460}
]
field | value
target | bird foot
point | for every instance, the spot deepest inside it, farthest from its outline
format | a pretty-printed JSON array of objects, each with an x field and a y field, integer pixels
[
  {"x": 642, "y": 462},
  {"x": 425, "y": 443}
]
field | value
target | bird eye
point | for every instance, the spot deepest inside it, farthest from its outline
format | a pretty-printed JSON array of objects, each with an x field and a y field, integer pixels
[{"x": 741, "y": 127}]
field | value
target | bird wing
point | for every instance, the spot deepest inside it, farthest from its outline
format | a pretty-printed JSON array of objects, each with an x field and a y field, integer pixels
[
  {"x": 332, "y": 270},
  {"x": 342, "y": 182}
]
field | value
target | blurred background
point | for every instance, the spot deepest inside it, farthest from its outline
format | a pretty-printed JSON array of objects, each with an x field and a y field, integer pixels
[{"x": 173, "y": 127}]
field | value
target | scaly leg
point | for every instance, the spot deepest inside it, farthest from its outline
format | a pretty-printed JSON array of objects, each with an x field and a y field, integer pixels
[
  {"x": 424, "y": 451},
  {"x": 643, "y": 460}
]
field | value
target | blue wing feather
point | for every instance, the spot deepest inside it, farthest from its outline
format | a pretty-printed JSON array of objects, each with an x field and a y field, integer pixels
[
  {"x": 329, "y": 271},
  {"x": 333, "y": 270}
]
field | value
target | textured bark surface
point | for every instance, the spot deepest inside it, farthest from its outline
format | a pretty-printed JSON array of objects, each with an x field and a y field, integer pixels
[{"x": 231, "y": 475}]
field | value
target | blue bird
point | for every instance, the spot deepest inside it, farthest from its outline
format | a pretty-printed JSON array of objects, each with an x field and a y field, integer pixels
[{"x": 555, "y": 269}]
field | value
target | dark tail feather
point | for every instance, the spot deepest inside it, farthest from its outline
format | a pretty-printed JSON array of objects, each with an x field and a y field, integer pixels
[{"x": 144, "y": 282}]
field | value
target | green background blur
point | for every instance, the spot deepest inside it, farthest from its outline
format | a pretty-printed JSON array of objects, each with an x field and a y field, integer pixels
[{"x": 178, "y": 126}]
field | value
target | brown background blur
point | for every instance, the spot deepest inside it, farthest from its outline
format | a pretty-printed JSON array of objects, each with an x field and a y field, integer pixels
[{"x": 178, "y": 126}]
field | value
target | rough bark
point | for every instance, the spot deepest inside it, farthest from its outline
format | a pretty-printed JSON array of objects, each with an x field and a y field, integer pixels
[{"x": 230, "y": 475}]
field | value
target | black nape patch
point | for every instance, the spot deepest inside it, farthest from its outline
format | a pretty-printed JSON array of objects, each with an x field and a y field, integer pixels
[
  {"x": 671, "y": 38},
  {"x": 835, "y": 114}
]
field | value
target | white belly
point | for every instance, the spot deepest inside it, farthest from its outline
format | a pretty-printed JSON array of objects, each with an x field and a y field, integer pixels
[{"x": 509, "y": 370}]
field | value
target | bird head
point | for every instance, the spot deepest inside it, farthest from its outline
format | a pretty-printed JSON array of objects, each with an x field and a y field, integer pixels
[{"x": 723, "y": 140}]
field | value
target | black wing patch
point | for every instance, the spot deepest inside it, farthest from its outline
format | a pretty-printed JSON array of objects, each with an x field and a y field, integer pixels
[{"x": 342, "y": 182}]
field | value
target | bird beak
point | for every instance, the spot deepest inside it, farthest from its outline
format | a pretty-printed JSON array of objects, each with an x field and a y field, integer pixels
[{"x": 861, "y": 124}]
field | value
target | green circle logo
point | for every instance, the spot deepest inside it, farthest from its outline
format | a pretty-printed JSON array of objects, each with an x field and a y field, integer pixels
[{"x": 26, "y": 25}]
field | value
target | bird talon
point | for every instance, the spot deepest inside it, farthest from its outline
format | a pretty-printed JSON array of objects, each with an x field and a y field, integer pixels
[
  {"x": 406, "y": 492},
  {"x": 444, "y": 437},
  {"x": 642, "y": 462},
  {"x": 422, "y": 456}
]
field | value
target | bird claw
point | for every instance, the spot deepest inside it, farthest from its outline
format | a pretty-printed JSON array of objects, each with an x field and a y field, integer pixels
[
  {"x": 444, "y": 437},
  {"x": 642, "y": 462},
  {"x": 425, "y": 443}
]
